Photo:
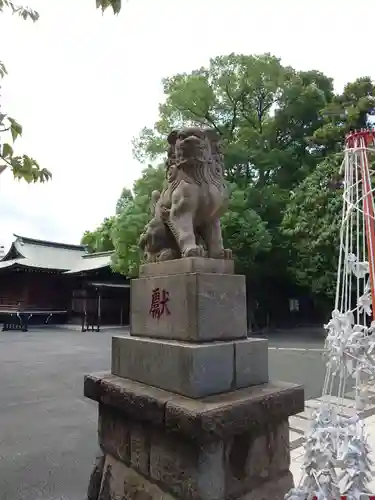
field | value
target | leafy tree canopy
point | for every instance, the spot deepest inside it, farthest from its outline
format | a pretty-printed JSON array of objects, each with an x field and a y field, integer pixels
[
  {"x": 351, "y": 110},
  {"x": 131, "y": 221},
  {"x": 262, "y": 110},
  {"x": 311, "y": 224},
  {"x": 99, "y": 240},
  {"x": 125, "y": 198},
  {"x": 244, "y": 232}
]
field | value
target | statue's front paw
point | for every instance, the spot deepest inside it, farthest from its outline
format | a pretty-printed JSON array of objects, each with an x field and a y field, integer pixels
[
  {"x": 204, "y": 252},
  {"x": 195, "y": 251},
  {"x": 149, "y": 257},
  {"x": 167, "y": 254}
]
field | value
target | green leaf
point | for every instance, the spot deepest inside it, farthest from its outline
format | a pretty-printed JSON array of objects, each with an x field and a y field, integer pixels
[
  {"x": 3, "y": 70},
  {"x": 7, "y": 151},
  {"x": 15, "y": 128},
  {"x": 24, "y": 12},
  {"x": 26, "y": 168}
]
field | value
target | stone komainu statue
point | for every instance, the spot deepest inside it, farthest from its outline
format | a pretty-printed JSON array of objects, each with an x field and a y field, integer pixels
[{"x": 186, "y": 215}]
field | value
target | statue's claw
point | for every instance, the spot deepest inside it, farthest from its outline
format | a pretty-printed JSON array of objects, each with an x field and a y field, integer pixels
[
  {"x": 225, "y": 253},
  {"x": 196, "y": 251},
  {"x": 167, "y": 254}
]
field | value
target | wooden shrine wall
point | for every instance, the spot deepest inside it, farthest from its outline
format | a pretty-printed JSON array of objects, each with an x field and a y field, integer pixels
[
  {"x": 114, "y": 304},
  {"x": 36, "y": 290},
  {"x": 74, "y": 294}
]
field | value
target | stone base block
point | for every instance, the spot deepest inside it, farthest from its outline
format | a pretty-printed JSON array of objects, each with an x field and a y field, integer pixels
[
  {"x": 122, "y": 482},
  {"x": 203, "y": 420},
  {"x": 189, "y": 307},
  {"x": 160, "y": 445},
  {"x": 187, "y": 265},
  {"x": 219, "y": 469},
  {"x": 176, "y": 471},
  {"x": 193, "y": 370}
]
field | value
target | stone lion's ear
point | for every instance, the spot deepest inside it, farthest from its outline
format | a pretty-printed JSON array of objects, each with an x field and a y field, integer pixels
[{"x": 172, "y": 137}]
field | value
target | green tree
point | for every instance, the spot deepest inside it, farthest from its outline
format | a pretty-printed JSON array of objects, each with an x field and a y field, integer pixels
[
  {"x": 296, "y": 119},
  {"x": 267, "y": 115},
  {"x": 22, "y": 166},
  {"x": 244, "y": 232},
  {"x": 311, "y": 224},
  {"x": 131, "y": 221},
  {"x": 348, "y": 111},
  {"x": 234, "y": 95},
  {"x": 100, "y": 240},
  {"x": 263, "y": 111},
  {"x": 125, "y": 198}
]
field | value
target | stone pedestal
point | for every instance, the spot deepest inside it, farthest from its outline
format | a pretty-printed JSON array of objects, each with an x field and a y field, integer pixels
[{"x": 187, "y": 411}]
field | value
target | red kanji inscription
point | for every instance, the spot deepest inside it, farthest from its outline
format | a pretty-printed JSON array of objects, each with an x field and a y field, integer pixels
[{"x": 159, "y": 301}]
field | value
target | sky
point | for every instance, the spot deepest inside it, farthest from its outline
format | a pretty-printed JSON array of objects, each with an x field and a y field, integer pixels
[{"x": 83, "y": 84}]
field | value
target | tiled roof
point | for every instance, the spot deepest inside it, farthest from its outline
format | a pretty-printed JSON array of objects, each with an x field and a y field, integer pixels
[
  {"x": 92, "y": 261},
  {"x": 39, "y": 254}
]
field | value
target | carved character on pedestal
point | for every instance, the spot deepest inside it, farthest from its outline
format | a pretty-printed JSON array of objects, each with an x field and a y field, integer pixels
[{"x": 186, "y": 218}]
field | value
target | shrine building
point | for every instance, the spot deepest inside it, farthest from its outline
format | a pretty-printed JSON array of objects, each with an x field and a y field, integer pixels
[{"x": 61, "y": 283}]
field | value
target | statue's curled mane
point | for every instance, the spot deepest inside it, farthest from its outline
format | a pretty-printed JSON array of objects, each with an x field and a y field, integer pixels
[{"x": 195, "y": 154}]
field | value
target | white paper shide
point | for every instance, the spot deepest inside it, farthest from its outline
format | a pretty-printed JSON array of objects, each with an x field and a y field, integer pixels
[{"x": 336, "y": 451}]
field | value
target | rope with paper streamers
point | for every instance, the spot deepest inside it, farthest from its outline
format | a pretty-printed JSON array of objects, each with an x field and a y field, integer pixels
[{"x": 337, "y": 461}]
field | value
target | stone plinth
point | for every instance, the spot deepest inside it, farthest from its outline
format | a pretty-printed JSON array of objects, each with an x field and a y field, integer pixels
[
  {"x": 187, "y": 265},
  {"x": 161, "y": 445},
  {"x": 191, "y": 307},
  {"x": 188, "y": 411},
  {"x": 208, "y": 368}
]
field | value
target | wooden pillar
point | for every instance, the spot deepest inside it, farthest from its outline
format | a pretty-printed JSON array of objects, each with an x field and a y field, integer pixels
[
  {"x": 25, "y": 284},
  {"x": 84, "y": 311},
  {"x": 99, "y": 308}
]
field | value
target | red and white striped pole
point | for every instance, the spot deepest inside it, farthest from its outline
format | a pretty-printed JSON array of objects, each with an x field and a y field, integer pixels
[{"x": 360, "y": 141}]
